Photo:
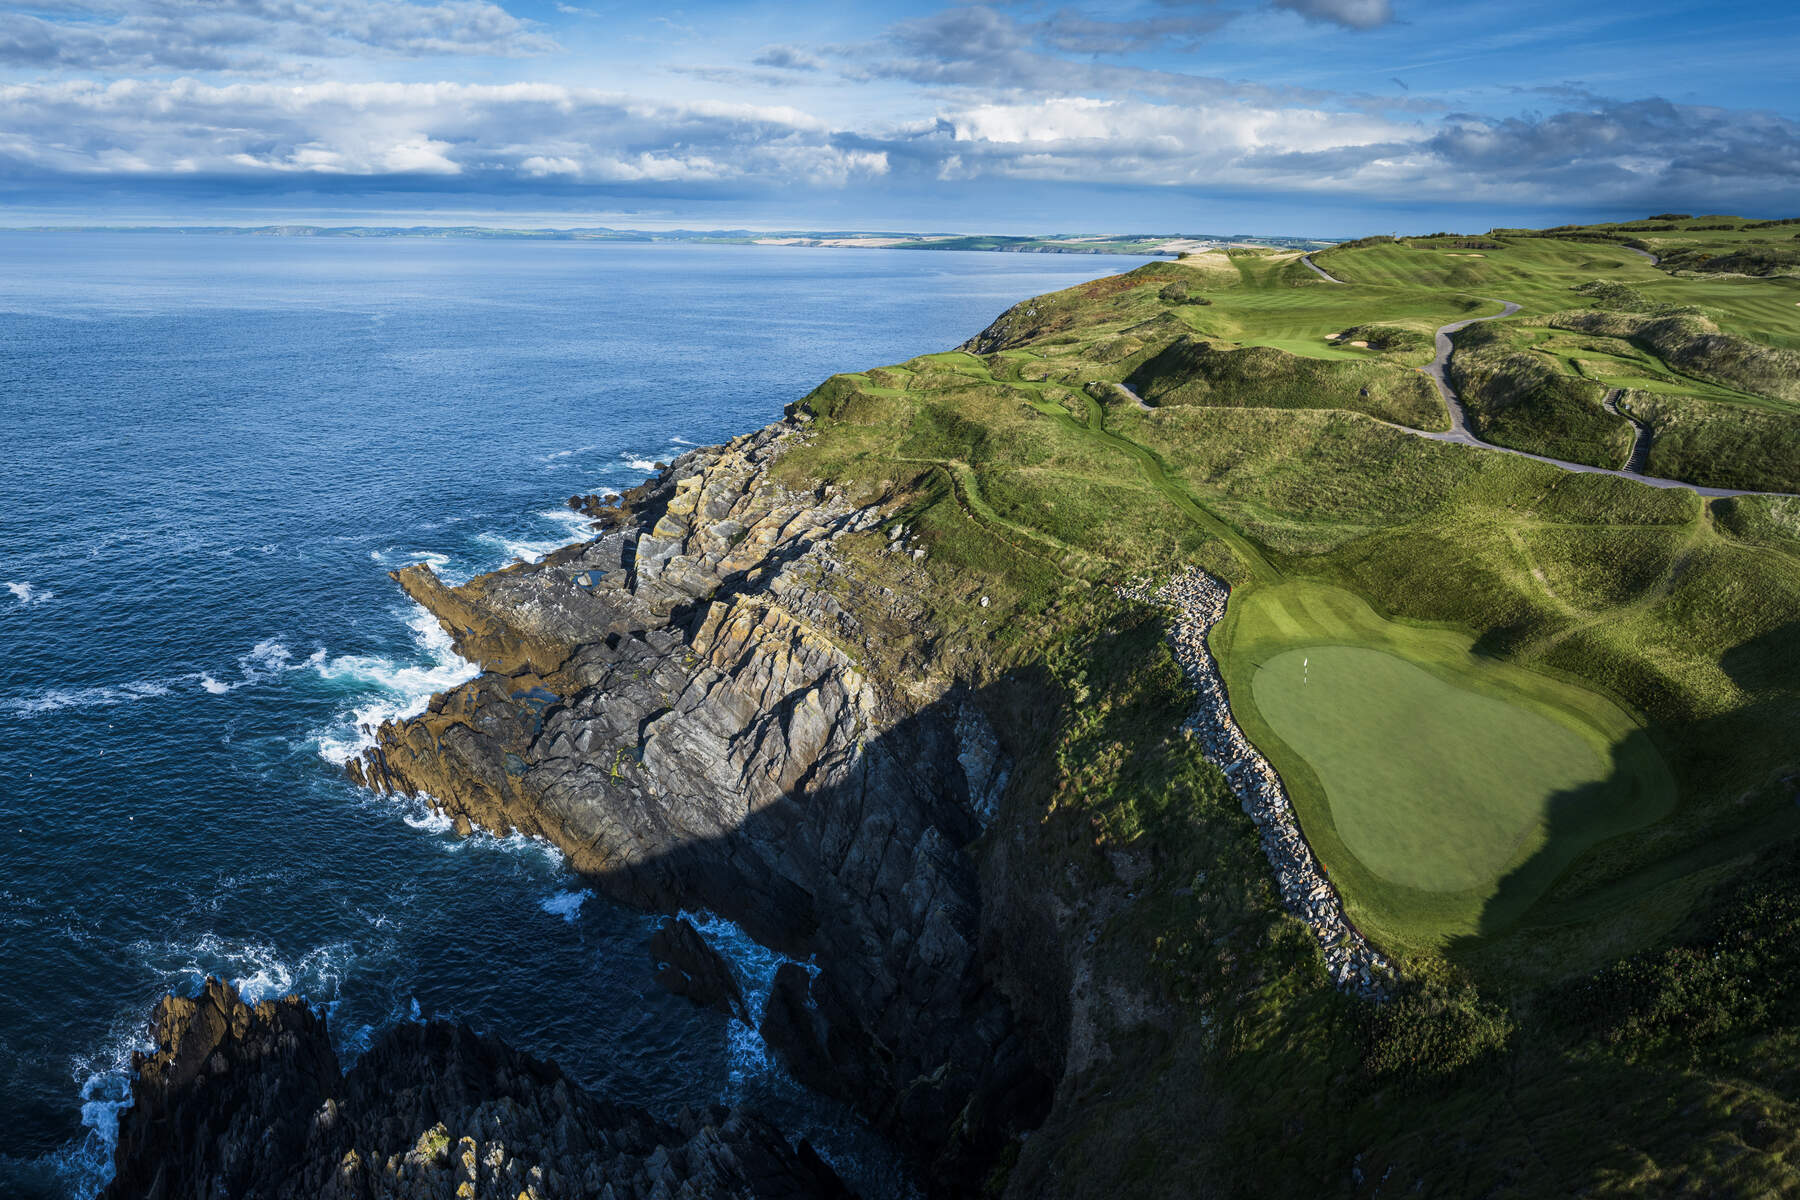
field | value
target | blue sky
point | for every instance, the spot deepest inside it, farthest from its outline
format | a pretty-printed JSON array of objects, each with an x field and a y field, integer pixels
[{"x": 1325, "y": 117}]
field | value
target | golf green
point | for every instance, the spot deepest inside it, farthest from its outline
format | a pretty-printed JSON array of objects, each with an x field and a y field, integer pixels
[
  {"x": 1443, "y": 790},
  {"x": 1431, "y": 786}
]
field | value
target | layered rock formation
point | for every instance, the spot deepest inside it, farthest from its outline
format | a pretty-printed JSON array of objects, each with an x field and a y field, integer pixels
[
  {"x": 240, "y": 1100},
  {"x": 680, "y": 706}
]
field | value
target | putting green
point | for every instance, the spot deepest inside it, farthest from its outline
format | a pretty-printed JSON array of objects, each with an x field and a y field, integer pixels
[
  {"x": 1443, "y": 791},
  {"x": 1431, "y": 785}
]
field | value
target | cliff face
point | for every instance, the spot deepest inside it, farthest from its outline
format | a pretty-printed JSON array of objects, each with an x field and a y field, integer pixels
[
  {"x": 241, "y": 1100},
  {"x": 680, "y": 706}
]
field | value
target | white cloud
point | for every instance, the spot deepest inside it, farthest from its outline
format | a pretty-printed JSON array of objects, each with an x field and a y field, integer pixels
[
  {"x": 542, "y": 131},
  {"x": 258, "y": 35}
]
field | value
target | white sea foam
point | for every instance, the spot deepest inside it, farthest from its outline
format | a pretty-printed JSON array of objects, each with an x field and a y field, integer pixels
[
  {"x": 103, "y": 1084},
  {"x": 517, "y": 844},
  {"x": 573, "y": 528},
  {"x": 258, "y": 971},
  {"x": 388, "y": 689},
  {"x": 60, "y": 699},
  {"x": 27, "y": 594},
  {"x": 420, "y": 813},
  {"x": 431, "y": 558},
  {"x": 566, "y": 905},
  {"x": 268, "y": 659},
  {"x": 754, "y": 965},
  {"x": 640, "y": 464},
  {"x": 557, "y": 455}
]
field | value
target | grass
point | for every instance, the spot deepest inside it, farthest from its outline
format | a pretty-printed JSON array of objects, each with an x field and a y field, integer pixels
[
  {"x": 1513, "y": 610},
  {"x": 1424, "y": 775}
]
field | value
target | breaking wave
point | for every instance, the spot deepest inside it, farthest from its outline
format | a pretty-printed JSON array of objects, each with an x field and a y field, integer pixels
[
  {"x": 566, "y": 905},
  {"x": 28, "y": 594},
  {"x": 388, "y": 688}
]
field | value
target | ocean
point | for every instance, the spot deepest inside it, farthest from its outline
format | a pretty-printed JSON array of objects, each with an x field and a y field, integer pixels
[{"x": 213, "y": 449}]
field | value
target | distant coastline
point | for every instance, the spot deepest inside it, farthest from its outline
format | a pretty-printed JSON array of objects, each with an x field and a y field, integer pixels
[{"x": 1168, "y": 245}]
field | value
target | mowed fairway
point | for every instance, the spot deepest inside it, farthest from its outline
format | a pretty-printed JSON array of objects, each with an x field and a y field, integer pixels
[
  {"x": 1443, "y": 791},
  {"x": 1431, "y": 785}
]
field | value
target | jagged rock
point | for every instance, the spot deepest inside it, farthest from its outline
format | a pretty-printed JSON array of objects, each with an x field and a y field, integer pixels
[
  {"x": 688, "y": 967},
  {"x": 231, "y": 1096},
  {"x": 691, "y": 726},
  {"x": 248, "y": 1102}
]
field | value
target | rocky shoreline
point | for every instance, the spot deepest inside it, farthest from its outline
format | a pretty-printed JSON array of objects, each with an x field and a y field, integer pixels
[
  {"x": 682, "y": 706},
  {"x": 249, "y": 1100},
  {"x": 1197, "y": 601}
]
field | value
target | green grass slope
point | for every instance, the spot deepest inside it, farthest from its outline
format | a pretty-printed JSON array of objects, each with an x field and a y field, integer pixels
[{"x": 1132, "y": 915}]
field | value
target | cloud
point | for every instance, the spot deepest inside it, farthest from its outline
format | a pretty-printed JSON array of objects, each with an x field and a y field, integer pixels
[
  {"x": 1351, "y": 14},
  {"x": 1625, "y": 154},
  {"x": 486, "y": 135},
  {"x": 982, "y": 51},
  {"x": 981, "y": 34},
  {"x": 786, "y": 58},
  {"x": 256, "y": 35}
]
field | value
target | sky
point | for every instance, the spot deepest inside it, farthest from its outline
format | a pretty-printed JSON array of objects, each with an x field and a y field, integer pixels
[{"x": 1302, "y": 117}]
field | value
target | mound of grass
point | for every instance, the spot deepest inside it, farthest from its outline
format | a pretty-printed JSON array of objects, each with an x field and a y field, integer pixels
[
  {"x": 1196, "y": 371},
  {"x": 1767, "y": 260},
  {"x": 1390, "y": 339},
  {"x": 1716, "y": 444},
  {"x": 1694, "y": 345},
  {"x": 1443, "y": 791},
  {"x": 1514, "y": 398}
]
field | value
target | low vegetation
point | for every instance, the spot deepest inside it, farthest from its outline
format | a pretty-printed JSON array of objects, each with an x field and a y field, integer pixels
[{"x": 1608, "y": 935}]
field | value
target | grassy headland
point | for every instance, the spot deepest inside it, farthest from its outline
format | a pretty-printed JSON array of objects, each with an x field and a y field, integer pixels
[{"x": 1643, "y": 644}]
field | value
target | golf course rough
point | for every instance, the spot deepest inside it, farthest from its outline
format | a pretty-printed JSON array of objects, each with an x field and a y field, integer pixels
[{"x": 1443, "y": 791}]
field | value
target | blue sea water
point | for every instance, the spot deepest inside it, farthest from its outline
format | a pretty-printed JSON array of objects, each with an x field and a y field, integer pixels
[{"x": 212, "y": 451}]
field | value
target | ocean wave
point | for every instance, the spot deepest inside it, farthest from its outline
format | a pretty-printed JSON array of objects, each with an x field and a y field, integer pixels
[
  {"x": 557, "y": 455},
  {"x": 566, "y": 905},
  {"x": 28, "y": 594},
  {"x": 103, "y": 1086},
  {"x": 269, "y": 659},
  {"x": 575, "y": 528},
  {"x": 422, "y": 813},
  {"x": 257, "y": 970},
  {"x": 754, "y": 965},
  {"x": 389, "y": 688},
  {"x": 62, "y": 699},
  {"x": 518, "y": 845},
  {"x": 431, "y": 558}
]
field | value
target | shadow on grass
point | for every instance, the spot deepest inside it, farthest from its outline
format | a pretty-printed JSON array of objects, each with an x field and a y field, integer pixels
[{"x": 1727, "y": 756}]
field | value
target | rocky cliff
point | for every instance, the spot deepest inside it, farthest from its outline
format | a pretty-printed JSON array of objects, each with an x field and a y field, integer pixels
[
  {"x": 242, "y": 1100},
  {"x": 682, "y": 706}
]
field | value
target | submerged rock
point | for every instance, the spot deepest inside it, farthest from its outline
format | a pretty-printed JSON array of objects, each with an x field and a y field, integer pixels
[
  {"x": 688, "y": 967},
  {"x": 248, "y": 1101}
]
